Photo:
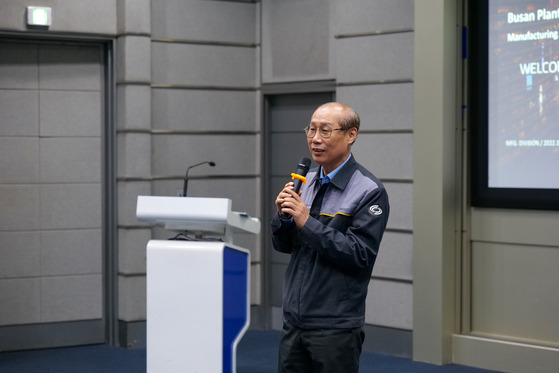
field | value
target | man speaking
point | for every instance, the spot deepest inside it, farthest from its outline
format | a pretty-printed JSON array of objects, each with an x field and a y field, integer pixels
[{"x": 332, "y": 229}]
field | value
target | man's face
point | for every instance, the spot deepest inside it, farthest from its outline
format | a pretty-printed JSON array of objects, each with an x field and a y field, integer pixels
[{"x": 330, "y": 152}]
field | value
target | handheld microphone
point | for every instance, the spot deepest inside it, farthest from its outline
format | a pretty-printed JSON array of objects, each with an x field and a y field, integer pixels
[
  {"x": 299, "y": 175},
  {"x": 212, "y": 164},
  {"x": 299, "y": 178}
]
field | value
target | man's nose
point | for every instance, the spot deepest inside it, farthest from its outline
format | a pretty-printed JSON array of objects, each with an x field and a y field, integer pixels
[{"x": 317, "y": 137}]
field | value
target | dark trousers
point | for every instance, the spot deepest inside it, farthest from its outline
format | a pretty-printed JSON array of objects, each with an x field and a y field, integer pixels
[{"x": 320, "y": 351}]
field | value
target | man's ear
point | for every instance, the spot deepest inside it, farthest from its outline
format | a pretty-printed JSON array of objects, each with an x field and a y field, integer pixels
[{"x": 352, "y": 135}]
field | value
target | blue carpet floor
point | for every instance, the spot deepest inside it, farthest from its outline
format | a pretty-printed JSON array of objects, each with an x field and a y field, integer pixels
[{"x": 256, "y": 353}]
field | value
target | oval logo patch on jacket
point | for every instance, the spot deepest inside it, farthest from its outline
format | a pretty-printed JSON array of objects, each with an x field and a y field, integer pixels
[{"x": 375, "y": 210}]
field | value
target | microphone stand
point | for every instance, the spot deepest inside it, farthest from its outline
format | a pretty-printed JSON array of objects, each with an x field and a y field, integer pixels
[{"x": 212, "y": 164}]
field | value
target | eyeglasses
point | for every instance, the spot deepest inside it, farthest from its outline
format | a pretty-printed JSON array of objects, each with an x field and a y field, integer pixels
[{"x": 325, "y": 132}]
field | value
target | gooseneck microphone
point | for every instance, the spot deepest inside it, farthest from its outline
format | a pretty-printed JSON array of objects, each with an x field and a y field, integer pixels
[
  {"x": 212, "y": 164},
  {"x": 299, "y": 179}
]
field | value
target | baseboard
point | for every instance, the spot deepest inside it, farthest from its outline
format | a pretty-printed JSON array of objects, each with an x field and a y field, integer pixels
[
  {"x": 388, "y": 341},
  {"x": 505, "y": 356},
  {"x": 50, "y": 335}
]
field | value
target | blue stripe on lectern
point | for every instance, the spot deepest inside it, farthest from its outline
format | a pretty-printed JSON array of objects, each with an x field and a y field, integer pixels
[{"x": 235, "y": 298}]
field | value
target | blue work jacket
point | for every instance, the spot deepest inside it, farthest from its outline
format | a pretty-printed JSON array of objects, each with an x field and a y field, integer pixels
[{"x": 332, "y": 256}]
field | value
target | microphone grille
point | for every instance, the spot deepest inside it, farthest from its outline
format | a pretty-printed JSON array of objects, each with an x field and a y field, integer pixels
[{"x": 305, "y": 162}]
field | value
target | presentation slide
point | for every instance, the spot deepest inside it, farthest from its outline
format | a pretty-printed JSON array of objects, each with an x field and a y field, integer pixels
[{"x": 523, "y": 132}]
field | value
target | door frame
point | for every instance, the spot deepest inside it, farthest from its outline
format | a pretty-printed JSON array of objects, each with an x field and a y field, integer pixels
[{"x": 109, "y": 192}]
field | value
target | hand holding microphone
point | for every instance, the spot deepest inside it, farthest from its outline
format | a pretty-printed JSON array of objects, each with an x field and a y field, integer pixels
[{"x": 298, "y": 179}]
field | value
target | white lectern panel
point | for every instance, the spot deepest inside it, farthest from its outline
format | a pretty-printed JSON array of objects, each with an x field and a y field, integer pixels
[{"x": 197, "y": 305}]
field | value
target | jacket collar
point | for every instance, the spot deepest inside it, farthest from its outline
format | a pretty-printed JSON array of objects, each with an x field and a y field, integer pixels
[{"x": 343, "y": 176}]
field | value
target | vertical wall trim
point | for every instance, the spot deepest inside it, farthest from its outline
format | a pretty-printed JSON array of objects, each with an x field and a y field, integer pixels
[
  {"x": 110, "y": 199},
  {"x": 265, "y": 212},
  {"x": 434, "y": 239}
]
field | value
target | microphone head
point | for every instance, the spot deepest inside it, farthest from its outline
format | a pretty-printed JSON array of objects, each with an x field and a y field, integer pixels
[
  {"x": 302, "y": 169},
  {"x": 211, "y": 163},
  {"x": 304, "y": 163}
]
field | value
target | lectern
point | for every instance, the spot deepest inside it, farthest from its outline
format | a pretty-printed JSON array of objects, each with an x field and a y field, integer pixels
[{"x": 198, "y": 305}]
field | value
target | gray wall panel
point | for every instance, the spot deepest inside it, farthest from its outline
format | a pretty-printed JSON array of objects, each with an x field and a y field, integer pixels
[
  {"x": 71, "y": 298},
  {"x": 203, "y": 65},
  {"x": 132, "y": 250},
  {"x": 70, "y": 160},
  {"x": 21, "y": 301},
  {"x": 134, "y": 110},
  {"x": 20, "y": 207},
  {"x": 20, "y": 112},
  {"x": 70, "y": 113},
  {"x": 134, "y": 60},
  {"x": 195, "y": 110},
  {"x": 132, "y": 301},
  {"x": 373, "y": 15},
  {"x": 70, "y": 206},
  {"x": 24, "y": 252},
  {"x": 23, "y": 151},
  {"x": 134, "y": 16},
  {"x": 233, "y": 154},
  {"x": 394, "y": 260},
  {"x": 71, "y": 252},
  {"x": 296, "y": 41},
  {"x": 16, "y": 69},
  {"x": 204, "y": 20},
  {"x": 134, "y": 154},
  {"x": 84, "y": 18},
  {"x": 386, "y": 155},
  {"x": 510, "y": 226},
  {"x": 390, "y": 304},
  {"x": 128, "y": 193},
  {"x": 70, "y": 67},
  {"x": 375, "y": 58},
  {"x": 510, "y": 282},
  {"x": 381, "y": 106},
  {"x": 401, "y": 205}
]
